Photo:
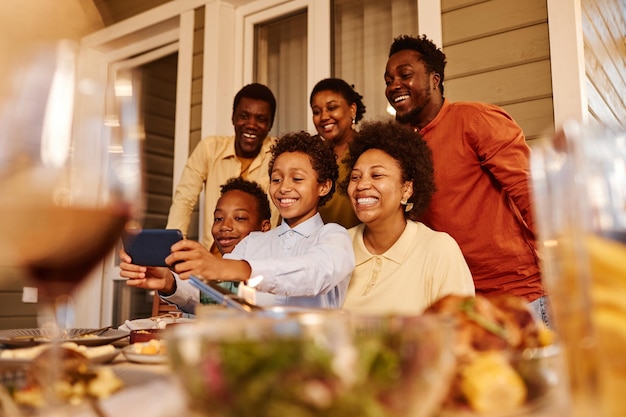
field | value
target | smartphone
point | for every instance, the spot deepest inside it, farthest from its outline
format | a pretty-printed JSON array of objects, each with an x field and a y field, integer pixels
[{"x": 150, "y": 247}]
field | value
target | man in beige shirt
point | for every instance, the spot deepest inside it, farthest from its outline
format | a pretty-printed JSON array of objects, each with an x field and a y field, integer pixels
[{"x": 218, "y": 158}]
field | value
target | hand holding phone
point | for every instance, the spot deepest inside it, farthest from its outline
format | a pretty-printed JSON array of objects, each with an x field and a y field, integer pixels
[{"x": 150, "y": 247}]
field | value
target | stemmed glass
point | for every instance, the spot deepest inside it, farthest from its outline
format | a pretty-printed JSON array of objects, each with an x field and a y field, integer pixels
[
  {"x": 70, "y": 175},
  {"x": 579, "y": 177}
]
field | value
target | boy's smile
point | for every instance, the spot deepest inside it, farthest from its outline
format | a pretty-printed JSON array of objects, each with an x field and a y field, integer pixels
[
  {"x": 294, "y": 188},
  {"x": 235, "y": 216}
]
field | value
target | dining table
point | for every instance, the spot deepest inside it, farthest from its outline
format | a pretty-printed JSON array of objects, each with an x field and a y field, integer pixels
[
  {"x": 149, "y": 388},
  {"x": 152, "y": 388}
]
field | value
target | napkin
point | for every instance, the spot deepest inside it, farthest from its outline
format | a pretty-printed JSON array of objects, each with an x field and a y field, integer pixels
[{"x": 152, "y": 323}]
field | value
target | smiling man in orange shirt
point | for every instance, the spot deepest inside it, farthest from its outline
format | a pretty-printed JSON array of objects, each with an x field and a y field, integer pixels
[{"x": 481, "y": 162}]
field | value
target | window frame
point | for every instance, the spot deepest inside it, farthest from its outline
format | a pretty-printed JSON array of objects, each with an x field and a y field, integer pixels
[{"x": 318, "y": 38}]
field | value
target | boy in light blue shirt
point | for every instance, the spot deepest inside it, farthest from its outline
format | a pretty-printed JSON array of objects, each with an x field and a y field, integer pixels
[{"x": 302, "y": 262}]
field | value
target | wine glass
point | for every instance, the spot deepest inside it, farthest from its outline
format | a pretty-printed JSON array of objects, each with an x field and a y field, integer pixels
[
  {"x": 70, "y": 175},
  {"x": 579, "y": 177}
]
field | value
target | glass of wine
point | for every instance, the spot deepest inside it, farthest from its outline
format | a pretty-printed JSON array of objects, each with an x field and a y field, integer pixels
[
  {"x": 70, "y": 175},
  {"x": 579, "y": 177}
]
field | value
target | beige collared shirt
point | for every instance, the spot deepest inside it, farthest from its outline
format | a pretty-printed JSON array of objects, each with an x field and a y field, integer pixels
[
  {"x": 421, "y": 267},
  {"x": 210, "y": 165}
]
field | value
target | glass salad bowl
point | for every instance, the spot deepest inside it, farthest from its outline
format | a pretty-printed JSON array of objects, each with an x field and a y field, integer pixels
[{"x": 312, "y": 363}]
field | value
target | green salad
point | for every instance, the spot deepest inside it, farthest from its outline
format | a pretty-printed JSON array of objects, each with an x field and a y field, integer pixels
[{"x": 376, "y": 375}]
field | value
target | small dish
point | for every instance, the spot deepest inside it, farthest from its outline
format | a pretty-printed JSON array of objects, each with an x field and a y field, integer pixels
[
  {"x": 144, "y": 335},
  {"x": 133, "y": 354}
]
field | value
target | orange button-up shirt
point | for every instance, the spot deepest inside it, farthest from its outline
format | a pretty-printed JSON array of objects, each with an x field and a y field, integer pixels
[{"x": 483, "y": 200}]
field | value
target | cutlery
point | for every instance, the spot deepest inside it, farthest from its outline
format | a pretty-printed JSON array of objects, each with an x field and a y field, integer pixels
[{"x": 222, "y": 295}]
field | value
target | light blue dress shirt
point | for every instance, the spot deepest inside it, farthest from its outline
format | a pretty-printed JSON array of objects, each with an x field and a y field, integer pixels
[{"x": 307, "y": 266}]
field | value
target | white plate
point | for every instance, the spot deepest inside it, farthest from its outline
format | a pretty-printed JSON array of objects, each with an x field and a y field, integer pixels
[
  {"x": 32, "y": 337},
  {"x": 27, "y": 355},
  {"x": 132, "y": 355}
]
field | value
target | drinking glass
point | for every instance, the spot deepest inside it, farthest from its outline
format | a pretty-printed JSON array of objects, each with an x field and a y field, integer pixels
[
  {"x": 69, "y": 173},
  {"x": 579, "y": 179}
]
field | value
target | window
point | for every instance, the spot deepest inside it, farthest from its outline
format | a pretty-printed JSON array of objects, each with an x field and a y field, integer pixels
[
  {"x": 362, "y": 34},
  {"x": 280, "y": 62}
]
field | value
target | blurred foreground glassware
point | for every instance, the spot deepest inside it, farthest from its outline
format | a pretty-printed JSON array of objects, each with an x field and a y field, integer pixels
[
  {"x": 405, "y": 363},
  {"x": 70, "y": 175},
  {"x": 579, "y": 180},
  {"x": 315, "y": 363}
]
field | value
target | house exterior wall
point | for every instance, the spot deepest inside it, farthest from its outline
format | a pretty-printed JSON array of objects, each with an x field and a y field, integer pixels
[
  {"x": 498, "y": 51},
  {"x": 604, "y": 39}
]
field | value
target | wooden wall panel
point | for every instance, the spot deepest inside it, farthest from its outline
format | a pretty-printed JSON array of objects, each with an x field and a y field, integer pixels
[
  {"x": 159, "y": 104},
  {"x": 197, "y": 71},
  {"x": 195, "y": 126},
  {"x": 604, "y": 35},
  {"x": 504, "y": 86},
  {"x": 498, "y": 51},
  {"x": 599, "y": 110},
  {"x": 15, "y": 314},
  {"x": 528, "y": 44},
  {"x": 535, "y": 116},
  {"x": 482, "y": 18},
  {"x": 448, "y": 5}
]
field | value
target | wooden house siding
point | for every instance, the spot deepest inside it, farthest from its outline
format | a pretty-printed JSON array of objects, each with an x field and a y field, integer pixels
[
  {"x": 604, "y": 38},
  {"x": 498, "y": 52},
  {"x": 195, "y": 123},
  {"x": 14, "y": 314},
  {"x": 159, "y": 102}
]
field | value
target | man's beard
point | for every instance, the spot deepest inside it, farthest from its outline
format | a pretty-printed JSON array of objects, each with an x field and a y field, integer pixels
[
  {"x": 410, "y": 116},
  {"x": 413, "y": 116}
]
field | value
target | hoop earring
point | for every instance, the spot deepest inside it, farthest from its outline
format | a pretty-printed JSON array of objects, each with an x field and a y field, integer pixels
[{"x": 408, "y": 206}]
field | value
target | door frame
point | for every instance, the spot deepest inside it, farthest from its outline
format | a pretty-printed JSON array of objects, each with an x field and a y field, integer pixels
[
  {"x": 133, "y": 42},
  {"x": 318, "y": 37}
]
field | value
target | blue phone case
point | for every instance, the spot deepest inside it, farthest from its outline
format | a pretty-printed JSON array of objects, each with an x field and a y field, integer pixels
[{"x": 150, "y": 247}]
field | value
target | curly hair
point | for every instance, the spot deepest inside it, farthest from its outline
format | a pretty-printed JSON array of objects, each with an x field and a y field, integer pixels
[
  {"x": 408, "y": 148},
  {"x": 432, "y": 57},
  {"x": 347, "y": 91},
  {"x": 256, "y": 91},
  {"x": 321, "y": 155},
  {"x": 252, "y": 188}
]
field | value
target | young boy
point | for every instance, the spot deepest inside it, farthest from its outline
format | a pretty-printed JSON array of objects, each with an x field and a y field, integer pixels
[
  {"x": 303, "y": 262},
  {"x": 243, "y": 207}
]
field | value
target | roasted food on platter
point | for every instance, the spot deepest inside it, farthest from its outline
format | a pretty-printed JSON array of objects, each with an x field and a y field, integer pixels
[
  {"x": 78, "y": 380},
  {"x": 506, "y": 359}
]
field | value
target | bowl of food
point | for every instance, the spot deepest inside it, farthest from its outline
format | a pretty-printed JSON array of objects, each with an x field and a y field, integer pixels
[
  {"x": 306, "y": 363},
  {"x": 508, "y": 364},
  {"x": 144, "y": 335}
]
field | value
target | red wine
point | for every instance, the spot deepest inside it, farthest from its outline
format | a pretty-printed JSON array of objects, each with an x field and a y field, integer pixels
[{"x": 59, "y": 246}]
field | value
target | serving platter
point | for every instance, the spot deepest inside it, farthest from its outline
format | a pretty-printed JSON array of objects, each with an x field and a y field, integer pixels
[
  {"x": 19, "y": 358},
  {"x": 33, "y": 337}
]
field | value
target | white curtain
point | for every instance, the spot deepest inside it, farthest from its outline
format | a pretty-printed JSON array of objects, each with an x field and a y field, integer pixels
[
  {"x": 362, "y": 34},
  {"x": 281, "y": 64}
]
